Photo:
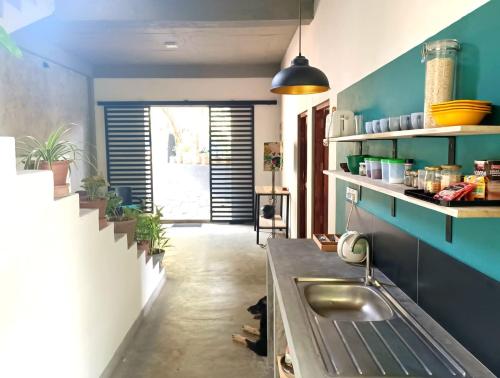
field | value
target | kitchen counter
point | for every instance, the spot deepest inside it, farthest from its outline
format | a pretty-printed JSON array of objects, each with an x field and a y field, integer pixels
[{"x": 289, "y": 259}]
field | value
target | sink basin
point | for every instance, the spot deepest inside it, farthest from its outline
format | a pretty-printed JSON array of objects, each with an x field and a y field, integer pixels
[
  {"x": 362, "y": 331},
  {"x": 346, "y": 301}
]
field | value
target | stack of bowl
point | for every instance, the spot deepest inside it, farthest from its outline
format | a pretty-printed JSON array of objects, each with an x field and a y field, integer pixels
[{"x": 460, "y": 112}]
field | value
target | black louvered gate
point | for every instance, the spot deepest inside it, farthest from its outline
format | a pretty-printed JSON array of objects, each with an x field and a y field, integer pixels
[
  {"x": 128, "y": 151},
  {"x": 231, "y": 164}
]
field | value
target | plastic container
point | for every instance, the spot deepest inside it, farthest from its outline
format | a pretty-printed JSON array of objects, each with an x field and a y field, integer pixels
[
  {"x": 432, "y": 180},
  {"x": 440, "y": 58},
  {"x": 368, "y": 167},
  {"x": 385, "y": 169},
  {"x": 396, "y": 171},
  {"x": 375, "y": 169}
]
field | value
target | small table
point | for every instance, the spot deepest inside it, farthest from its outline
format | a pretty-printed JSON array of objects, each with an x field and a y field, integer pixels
[{"x": 261, "y": 223}]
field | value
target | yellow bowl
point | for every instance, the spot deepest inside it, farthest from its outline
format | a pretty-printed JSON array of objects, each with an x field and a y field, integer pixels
[
  {"x": 445, "y": 108},
  {"x": 468, "y": 102},
  {"x": 459, "y": 117}
]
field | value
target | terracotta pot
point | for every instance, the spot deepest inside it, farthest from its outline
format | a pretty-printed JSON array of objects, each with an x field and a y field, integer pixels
[
  {"x": 99, "y": 203},
  {"x": 59, "y": 169},
  {"x": 126, "y": 227},
  {"x": 143, "y": 246}
]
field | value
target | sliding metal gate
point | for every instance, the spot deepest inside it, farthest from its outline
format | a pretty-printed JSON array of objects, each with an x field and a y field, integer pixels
[
  {"x": 231, "y": 164},
  {"x": 128, "y": 151}
]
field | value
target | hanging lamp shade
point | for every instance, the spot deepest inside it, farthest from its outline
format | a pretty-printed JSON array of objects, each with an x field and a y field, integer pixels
[{"x": 300, "y": 79}]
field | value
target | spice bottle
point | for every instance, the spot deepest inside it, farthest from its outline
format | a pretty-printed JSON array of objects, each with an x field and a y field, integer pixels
[{"x": 440, "y": 58}]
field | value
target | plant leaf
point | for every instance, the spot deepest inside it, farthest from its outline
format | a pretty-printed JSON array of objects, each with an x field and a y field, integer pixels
[{"x": 7, "y": 42}]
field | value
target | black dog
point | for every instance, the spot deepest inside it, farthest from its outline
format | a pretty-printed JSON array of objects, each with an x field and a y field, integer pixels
[{"x": 259, "y": 310}]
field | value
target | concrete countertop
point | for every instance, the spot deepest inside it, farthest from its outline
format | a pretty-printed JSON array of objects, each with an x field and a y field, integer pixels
[{"x": 289, "y": 258}]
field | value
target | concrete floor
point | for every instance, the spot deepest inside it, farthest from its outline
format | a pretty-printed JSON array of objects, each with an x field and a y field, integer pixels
[{"x": 213, "y": 274}]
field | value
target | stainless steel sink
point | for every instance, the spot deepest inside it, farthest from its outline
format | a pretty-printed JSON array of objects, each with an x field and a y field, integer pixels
[
  {"x": 363, "y": 331},
  {"x": 347, "y": 301}
]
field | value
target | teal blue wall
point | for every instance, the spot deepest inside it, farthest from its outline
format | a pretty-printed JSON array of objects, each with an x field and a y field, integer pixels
[{"x": 398, "y": 88}]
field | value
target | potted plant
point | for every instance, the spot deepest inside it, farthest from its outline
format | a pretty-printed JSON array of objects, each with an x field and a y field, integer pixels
[
  {"x": 151, "y": 235},
  {"x": 95, "y": 196},
  {"x": 55, "y": 154},
  {"x": 124, "y": 219},
  {"x": 143, "y": 232}
]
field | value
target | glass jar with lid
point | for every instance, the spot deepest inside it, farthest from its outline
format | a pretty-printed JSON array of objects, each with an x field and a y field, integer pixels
[
  {"x": 450, "y": 174},
  {"x": 432, "y": 180},
  {"x": 440, "y": 58}
]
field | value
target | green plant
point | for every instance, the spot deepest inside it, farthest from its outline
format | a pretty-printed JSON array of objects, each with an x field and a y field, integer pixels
[
  {"x": 95, "y": 187},
  {"x": 33, "y": 151},
  {"x": 149, "y": 228},
  {"x": 116, "y": 212},
  {"x": 7, "y": 42}
]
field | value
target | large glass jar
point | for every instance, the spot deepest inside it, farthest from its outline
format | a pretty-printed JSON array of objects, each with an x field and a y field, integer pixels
[
  {"x": 432, "y": 180},
  {"x": 440, "y": 59},
  {"x": 450, "y": 174}
]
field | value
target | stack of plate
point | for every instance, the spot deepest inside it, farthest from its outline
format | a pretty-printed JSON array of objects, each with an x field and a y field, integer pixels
[{"x": 460, "y": 112}]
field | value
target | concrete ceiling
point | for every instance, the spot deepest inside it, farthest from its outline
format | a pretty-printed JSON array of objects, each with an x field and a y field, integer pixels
[{"x": 215, "y": 37}]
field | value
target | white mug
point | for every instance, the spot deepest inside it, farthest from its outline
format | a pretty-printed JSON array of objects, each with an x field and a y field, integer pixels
[
  {"x": 417, "y": 120},
  {"x": 405, "y": 122}
]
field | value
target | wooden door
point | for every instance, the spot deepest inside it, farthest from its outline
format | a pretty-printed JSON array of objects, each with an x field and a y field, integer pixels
[
  {"x": 320, "y": 163},
  {"x": 302, "y": 176}
]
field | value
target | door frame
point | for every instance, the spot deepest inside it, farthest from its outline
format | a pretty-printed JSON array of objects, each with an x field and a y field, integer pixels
[
  {"x": 302, "y": 149},
  {"x": 320, "y": 154}
]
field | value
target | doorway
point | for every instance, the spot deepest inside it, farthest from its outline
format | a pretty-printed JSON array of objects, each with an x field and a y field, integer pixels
[
  {"x": 180, "y": 145},
  {"x": 320, "y": 163},
  {"x": 302, "y": 176}
]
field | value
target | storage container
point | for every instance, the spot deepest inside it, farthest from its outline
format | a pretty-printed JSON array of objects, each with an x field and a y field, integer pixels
[
  {"x": 384, "y": 163},
  {"x": 396, "y": 171},
  {"x": 368, "y": 167},
  {"x": 450, "y": 174},
  {"x": 375, "y": 169},
  {"x": 440, "y": 59},
  {"x": 432, "y": 180}
]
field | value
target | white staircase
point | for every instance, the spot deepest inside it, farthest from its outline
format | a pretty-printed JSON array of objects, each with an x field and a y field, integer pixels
[
  {"x": 16, "y": 14},
  {"x": 69, "y": 292}
]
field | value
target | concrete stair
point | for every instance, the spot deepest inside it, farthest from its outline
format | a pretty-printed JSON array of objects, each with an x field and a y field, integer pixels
[
  {"x": 69, "y": 292},
  {"x": 16, "y": 14}
]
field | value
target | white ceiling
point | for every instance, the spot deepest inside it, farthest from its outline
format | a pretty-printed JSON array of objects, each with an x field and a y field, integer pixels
[{"x": 215, "y": 37}]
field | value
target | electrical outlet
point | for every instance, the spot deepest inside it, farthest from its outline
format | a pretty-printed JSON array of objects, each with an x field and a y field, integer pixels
[{"x": 352, "y": 195}]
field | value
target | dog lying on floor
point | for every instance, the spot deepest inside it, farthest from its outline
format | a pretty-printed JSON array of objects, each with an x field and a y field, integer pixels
[{"x": 259, "y": 310}]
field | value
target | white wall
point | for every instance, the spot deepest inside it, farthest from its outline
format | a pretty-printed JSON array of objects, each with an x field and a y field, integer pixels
[
  {"x": 69, "y": 292},
  {"x": 348, "y": 40},
  {"x": 267, "y": 117}
]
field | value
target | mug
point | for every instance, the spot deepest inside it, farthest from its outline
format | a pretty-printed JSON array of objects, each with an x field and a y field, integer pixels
[
  {"x": 405, "y": 122},
  {"x": 394, "y": 123},
  {"x": 417, "y": 120},
  {"x": 368, "y": 128},
  {"x": 384, "y": 125},
  {"x": 376, "y": 126}
]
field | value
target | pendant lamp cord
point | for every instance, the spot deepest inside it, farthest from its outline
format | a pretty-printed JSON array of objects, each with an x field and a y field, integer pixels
[{"x": 300, "y": 27}]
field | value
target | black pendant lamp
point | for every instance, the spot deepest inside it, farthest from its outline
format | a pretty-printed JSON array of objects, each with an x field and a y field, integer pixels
[{"x": 300, "y": 78}]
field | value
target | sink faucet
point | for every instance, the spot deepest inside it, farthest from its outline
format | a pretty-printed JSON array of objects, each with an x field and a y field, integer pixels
[{"x": 369, "y": 267}]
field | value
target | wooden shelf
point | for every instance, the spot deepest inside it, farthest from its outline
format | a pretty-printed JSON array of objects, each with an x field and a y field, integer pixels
[
  {"x": 268, "y": 223},
  {"x": 397, "y": 191},
  {"x": 431, "y": 132}
]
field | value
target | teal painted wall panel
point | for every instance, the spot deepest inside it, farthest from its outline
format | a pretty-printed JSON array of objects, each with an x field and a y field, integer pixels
[{"x": 398, "y": 88}]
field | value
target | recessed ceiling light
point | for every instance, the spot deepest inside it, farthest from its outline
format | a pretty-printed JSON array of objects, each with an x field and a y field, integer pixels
[{"x": 171, "y": 45}]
